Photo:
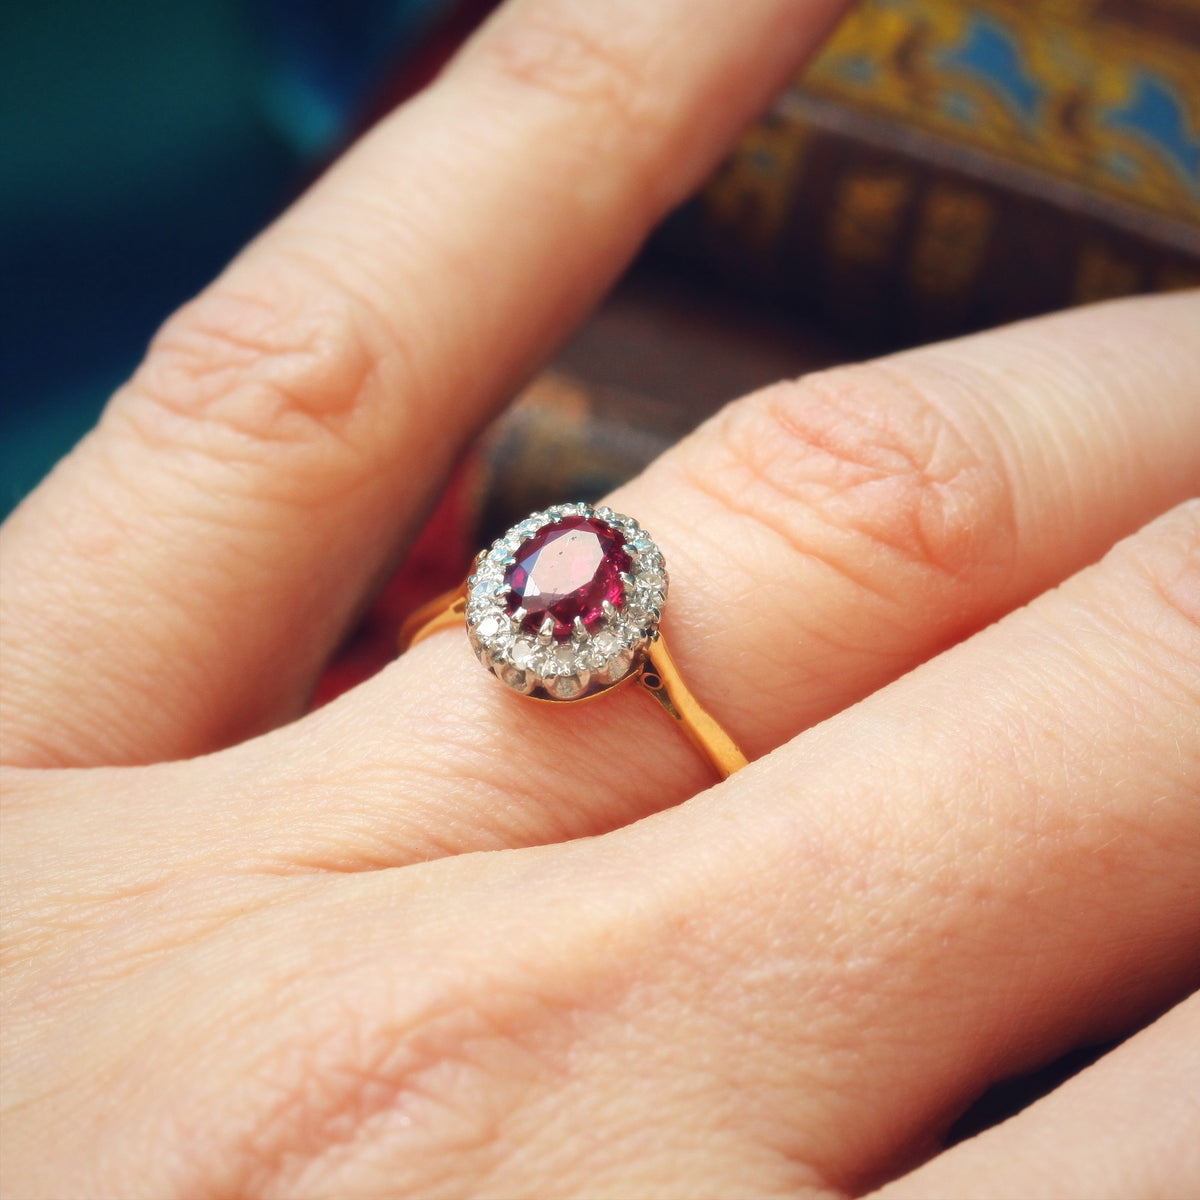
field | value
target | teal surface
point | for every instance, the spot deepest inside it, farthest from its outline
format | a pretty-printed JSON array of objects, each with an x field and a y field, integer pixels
[
  {"x": 134, "y": 158},
  {"x": 142, "y": 142}
]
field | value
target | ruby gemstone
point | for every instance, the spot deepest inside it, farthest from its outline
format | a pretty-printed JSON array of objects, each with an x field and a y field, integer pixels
[{"x": 568, "y": 570}]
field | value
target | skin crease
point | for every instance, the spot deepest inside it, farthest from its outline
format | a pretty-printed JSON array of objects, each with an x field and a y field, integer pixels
[{"x": 432, "y": 941}]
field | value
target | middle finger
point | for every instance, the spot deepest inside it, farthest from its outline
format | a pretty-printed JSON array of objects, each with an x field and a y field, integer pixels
[{"x": 248, "y": 486}]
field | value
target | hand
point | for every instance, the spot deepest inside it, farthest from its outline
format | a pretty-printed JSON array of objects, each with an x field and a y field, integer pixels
[{"x": 432, "y": 940}]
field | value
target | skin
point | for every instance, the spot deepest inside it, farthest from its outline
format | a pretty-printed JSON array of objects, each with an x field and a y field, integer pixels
[{"x": 434, "y": 941}]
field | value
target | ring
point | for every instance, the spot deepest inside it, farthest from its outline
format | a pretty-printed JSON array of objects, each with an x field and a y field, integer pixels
[{"x": 567, "y": 605}]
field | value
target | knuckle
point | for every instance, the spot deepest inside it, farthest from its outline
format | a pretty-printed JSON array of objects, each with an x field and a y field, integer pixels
[
  {"x": 283, "y": 361},
  {"x": 364, "y": 1076},
  {"x": 552, "y": 50},
  {"x": 864, "y": 455},
  {"x": 1166, "y": 556},
  {"x": 558, "y": 51},
  {"x": 441, "y": 1066}
]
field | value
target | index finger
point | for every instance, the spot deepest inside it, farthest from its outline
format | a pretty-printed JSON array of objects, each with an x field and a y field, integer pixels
[{"x": 178, "y": 581}]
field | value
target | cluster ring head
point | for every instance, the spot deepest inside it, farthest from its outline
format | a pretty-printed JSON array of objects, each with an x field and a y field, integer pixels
[{"x": 597, "y": 650}]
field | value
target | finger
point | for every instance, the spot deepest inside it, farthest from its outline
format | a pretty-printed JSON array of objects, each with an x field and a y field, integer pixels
[
  {"x": 970, "y": 872},
  {"x": 179, "y": 579},
  {"x": 1127, "y": 1126},
  {"x": 822, "y": 538}
]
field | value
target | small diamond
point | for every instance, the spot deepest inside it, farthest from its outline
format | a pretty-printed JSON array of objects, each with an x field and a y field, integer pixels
[
  {"x": 546, "y": 666},
  {"x": 617, "y": 667},
  {"x": 568, "y": 686},
  {"x": 489, "y": 627},
  {"x": 522, "y": 653},
  {"x": 606, "y": 643}
]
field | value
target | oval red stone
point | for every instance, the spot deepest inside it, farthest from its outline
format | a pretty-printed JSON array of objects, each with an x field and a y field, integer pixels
[{"x": 568, "y": 570}]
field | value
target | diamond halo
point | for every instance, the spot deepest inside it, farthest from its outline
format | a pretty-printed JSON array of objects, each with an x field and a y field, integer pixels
[{"x": 593, "y": 657}]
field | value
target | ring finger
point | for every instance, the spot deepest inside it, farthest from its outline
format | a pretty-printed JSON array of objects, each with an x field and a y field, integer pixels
[{"x": 822, "y": 538}]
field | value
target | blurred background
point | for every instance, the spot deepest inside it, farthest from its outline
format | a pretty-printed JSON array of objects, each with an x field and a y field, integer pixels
[
  {"x": 141, "y": 144},
  {"x": 943, "y": 165}
]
